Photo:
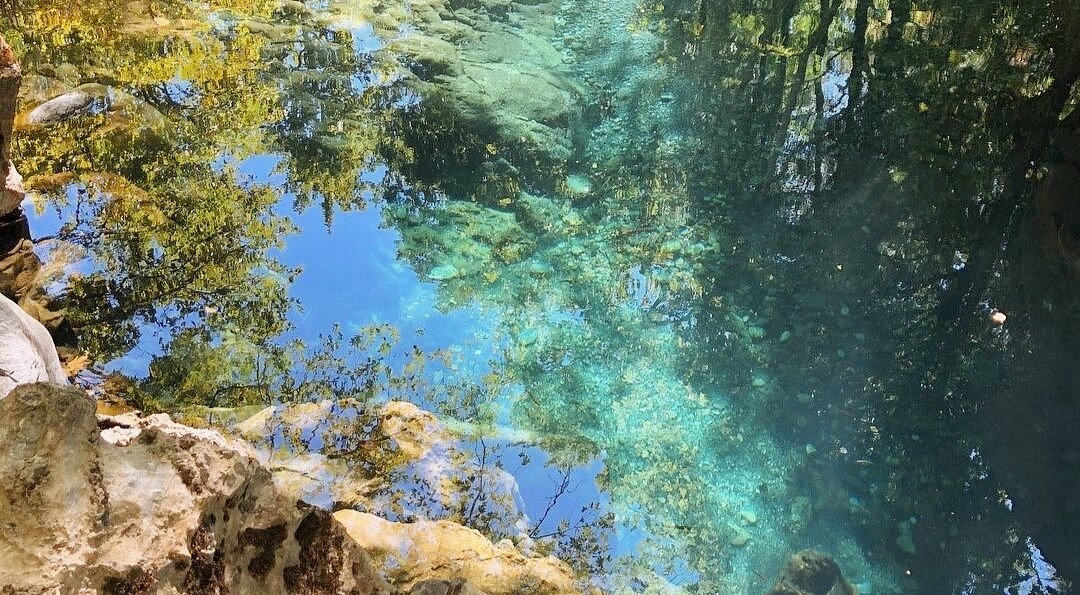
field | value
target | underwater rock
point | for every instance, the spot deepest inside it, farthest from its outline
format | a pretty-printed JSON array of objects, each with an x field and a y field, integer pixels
[
  {"x": 20, "y": 268},
  {"x": 134, "y": 504},
  {"x": 758, "y": 382},
  {"x": 121, "y": 107},
  {"x": 497, "y": 89},
  {"x": 61, "y": 108},
  {"x": 809, "y": 572},
  {"x": 444, "y": 587},
  {"x": 27, "y": 353},
  {"x": 293, "y": 8},
  {"x": 577, "y": 185},
  {"x": 414, "y": 552},
  {"x": 540, "y": 268},
  {"x": 739, "y": 535},
  {"x": 443, "y": 272}
]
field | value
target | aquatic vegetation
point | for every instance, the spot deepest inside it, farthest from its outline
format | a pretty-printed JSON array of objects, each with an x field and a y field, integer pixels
[{"x": 773, "y": 267}]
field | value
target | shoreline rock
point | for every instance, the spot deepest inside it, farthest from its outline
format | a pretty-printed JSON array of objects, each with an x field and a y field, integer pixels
[
  {"x": 27, "y": 353},
  {"x": 143, "y": 504}
]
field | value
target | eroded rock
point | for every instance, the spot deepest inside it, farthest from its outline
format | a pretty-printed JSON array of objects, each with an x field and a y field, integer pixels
[
  {"x": 148, "y": 505},
  {"x": 131, "y": 504}
]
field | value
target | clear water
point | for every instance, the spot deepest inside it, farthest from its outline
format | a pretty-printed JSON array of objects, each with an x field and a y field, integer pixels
[{"x": 732, "y": 270}]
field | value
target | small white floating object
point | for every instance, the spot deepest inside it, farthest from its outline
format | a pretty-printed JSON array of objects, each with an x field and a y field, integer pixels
[{"x": 998, "y": 317}]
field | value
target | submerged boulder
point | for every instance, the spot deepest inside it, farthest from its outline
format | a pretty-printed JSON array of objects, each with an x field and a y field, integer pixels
[
  {"x": 393, "y": 459},
  {"x": 121, "y": 107},
  {"x": 60, "y": 108},
  {"x": 809, "y": 572}
]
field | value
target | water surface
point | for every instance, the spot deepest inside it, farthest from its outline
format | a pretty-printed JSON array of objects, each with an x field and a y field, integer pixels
[{"x": 736, "y": 269}]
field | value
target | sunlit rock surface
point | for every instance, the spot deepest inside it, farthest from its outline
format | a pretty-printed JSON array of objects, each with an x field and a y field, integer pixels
[
  {"x": 440, "y": 549},
  {"x": 143, "y": 504},
  {"x": 27, "y": 353},
  {"x": 131, "y": 504}
]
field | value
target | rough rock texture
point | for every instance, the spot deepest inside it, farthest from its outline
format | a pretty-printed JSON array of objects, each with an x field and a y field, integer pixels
[
  {"x": 146, "y": 505},
  {"x": 27, "y": 353},
  {"x": 808, "y": 572},
  {"x": 11, "y": 190},
  {"x": 130, "y": 504},
  {"x": 440, "y": 549}
]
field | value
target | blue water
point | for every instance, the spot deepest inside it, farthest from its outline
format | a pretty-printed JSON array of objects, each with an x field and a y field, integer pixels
[{"x": 718, "y": 330}]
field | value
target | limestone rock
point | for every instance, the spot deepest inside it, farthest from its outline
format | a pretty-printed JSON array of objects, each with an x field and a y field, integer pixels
[
  {"x": 808, "y": 572},
  {"x": 27, "y": 353},
  {"x": 147, "y": 505},
  {"x": 443, "y": 550}
]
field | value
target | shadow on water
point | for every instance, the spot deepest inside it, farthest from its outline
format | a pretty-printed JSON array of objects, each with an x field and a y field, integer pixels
[{"x": 779, "y": 273}]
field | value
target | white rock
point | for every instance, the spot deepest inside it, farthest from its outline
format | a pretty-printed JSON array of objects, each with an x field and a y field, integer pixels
[
  {"x": 58, "y": 109},
  {"x": 27, "y": 353}
]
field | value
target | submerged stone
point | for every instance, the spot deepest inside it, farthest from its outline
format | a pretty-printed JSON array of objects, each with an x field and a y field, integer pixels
[
  {"x": 740, "y": 536},
  {"x": 58, "y": 109},
  {"x": 444, "y": 272},
  {"x": 540, "y": 268},
  {"x": 811, "y": 573},
  {"x": 577, "y": 185}
]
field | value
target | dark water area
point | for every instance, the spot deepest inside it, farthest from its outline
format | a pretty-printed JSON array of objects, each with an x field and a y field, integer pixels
[{"x": 755, "y": 275}]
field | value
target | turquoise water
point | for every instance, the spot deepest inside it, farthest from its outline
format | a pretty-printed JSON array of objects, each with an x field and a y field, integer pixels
[{"x": 736, "y": 268}]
